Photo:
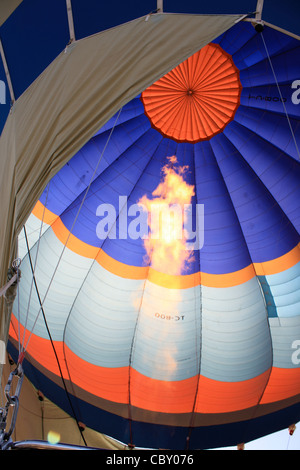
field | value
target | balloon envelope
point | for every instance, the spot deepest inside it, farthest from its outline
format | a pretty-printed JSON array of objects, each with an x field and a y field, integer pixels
[{"x": 203, "y": 354}]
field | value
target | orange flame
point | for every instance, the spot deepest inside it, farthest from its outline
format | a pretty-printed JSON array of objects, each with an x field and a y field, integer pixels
[{"x": 166, "y": 244}]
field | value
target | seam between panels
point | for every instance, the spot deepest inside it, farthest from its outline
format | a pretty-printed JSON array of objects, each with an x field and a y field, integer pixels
[
  {"x": 255, "y": 407},
  {"x": 53, "y": 346},
  {"x": 83, "y": 281},
  {"x": 267, "y": 188},
  {"x": 79, "y": 196},
  {"x": 244, "y": 108},
  {"x": 42, "y": 309},
  {"x": 133, "y": 341},
  {"x": 199, "y": 334}
]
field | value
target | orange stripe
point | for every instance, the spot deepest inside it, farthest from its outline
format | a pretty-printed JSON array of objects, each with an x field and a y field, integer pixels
[
  {"x": 39, "y": 348},
  {"x": 280, "y": 264},
  {"x": 226, "y": 397},
  {"x": 178, "y": 396},
  {"x": 162, "y": 279},
  {"x": 161, "y": 395},
  {"x": 108, "y": 383},
  {"x": 42, "y": 213},
  {"x": 283, "y": 383}
]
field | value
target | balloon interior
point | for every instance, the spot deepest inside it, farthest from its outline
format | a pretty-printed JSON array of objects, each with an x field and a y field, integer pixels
[{"x": 164, "y": 308}]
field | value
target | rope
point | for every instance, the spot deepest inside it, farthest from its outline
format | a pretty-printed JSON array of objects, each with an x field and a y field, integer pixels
[
  {"x": 281, "y": 97},
  {"x": 72, "y": 228},
  {"x": 198, "y": 342},
  {"x": 34, "y": 268},
  {"x": 18, "y": 307},
  {"x": 4, "y": 289},
  {"x": 15, "y": 271},
  {"x": 51, "y": 340},
  {"x": 34, "y": 283},
  {"x": 288, "y": 442},
  {"x": 9, "y": 290}
]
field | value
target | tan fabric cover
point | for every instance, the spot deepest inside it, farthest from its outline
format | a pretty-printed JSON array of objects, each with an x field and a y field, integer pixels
[{"x": 36, "y": 419}]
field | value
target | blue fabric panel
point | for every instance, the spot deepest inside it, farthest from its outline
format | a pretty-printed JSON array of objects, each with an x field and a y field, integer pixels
[
  {"x": 275, "y": 129},
  {"x": 224, "y": 248},
  {"x": 286, "y": 66},
  {"x": 268, "y": 98},
  {"x": 253, "y": 51},
  {"x": 267, "y": 231},
  {"x": 235, "y": 38},
  {"x": 279, "y": 173}
]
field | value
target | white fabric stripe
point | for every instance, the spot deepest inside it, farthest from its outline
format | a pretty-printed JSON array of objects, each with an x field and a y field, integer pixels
[
  {"x": 286, "y": 342},
  {"x": 99, "y": 325}
]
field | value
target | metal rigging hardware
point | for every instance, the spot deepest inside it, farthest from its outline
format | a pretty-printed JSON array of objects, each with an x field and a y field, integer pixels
[{"x": 11, "y": 401}]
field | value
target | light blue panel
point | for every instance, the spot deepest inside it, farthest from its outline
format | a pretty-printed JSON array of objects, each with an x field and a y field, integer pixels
[
  {"x": 34, "y": 228},
  {"x": 167, "y": 340},
  {"x": 222, "y": 332},
  {"x": 284, "y": 288},
  {"x": 101, "y": 323},
  {"x": 285, "y": 334},
  {"x": 269, "y": 301},
  {"x": 70, "y": 272},
  {"x": 236, "y": 342}
]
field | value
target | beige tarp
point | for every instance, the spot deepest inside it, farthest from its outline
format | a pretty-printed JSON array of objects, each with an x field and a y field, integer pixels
[
  {"x": 43, "y": 420},
  {"x": 78, "y": 92}
]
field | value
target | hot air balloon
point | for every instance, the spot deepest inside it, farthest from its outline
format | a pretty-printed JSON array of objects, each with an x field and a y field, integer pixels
[{"x": 158, "y": 299}]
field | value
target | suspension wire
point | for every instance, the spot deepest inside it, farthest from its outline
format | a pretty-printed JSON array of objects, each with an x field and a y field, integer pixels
[
  {"x": 198, "y": 341},
  {"x": 290, "y": 126},
  {"x": 281, "y": 97},
  {"x": 288, "y": 442},
  {"x": 51, "y": 339},
  {"x": 18, "y": 307},
  {"x": 33, "y": 268},
  {"x": 34, "y": 282},
  {"x": 72, "y": 227}
]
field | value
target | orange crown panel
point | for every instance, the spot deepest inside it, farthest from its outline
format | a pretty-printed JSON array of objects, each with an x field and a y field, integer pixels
[{"x": 197, "y": 99}]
